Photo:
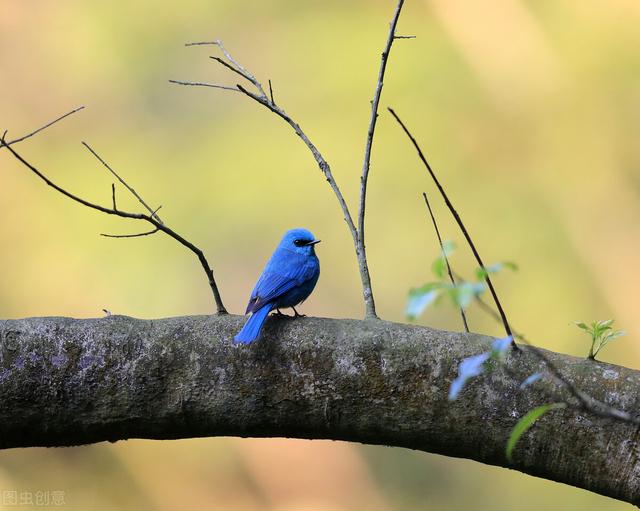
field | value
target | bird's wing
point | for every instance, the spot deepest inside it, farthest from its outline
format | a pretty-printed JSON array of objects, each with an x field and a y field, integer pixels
[{"x": 277, "y": 280}]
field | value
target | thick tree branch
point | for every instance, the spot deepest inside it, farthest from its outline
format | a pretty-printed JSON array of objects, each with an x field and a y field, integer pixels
[{"x": 66, "y": 382}]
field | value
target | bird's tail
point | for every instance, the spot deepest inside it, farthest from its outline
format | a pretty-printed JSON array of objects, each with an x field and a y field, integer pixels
[{"x": 251, "y": 329}]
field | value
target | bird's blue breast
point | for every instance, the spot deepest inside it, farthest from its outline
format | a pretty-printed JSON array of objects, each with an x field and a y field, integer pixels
[
  {"x": 300, "y": 292},
  {"x": 288, "y": 279}
]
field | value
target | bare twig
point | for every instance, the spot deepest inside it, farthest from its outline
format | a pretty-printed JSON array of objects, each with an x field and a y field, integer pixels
[
  {"x": 239, "y": 68},
  {"x": 271, "y": 93},
  {"x": 446, "y": 258},
  {"x": 151, "y": 218},
  {"x": 138, "y": 235},
  {"x": 370, "y": 303},
  {"x": 124, "y": 183},
  {"x": 456, "y": 216},
  {"x": 201, "y": 43},
  {"x": 42, "y": 128},
  {"x": 228, "y": 66},
  {"x": 404, "y": 37},
  {"x": 203, "y": 84},
  {"x": 234, "y": 65},
  {"x": 113, "y": 196}
]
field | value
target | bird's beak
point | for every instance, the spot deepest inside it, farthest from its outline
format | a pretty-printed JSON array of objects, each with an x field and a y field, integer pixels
[{"x": 314, "y": 242}]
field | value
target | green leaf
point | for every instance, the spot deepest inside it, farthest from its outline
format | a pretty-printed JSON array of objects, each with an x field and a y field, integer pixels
[
  {"x": 464, "y": 293},
  {"x": 600, "y": 327},
  {"x": 604, "y": 323},
  {"x": 601, "y": 333},
  {"x": 421, "y": 298},
  {"x": 439, "y": 266},
  {"x": 610, "y": 336},
  {"x": 607, "y": 338},
  {"x": 583, "y": 326},
  {"x": 448, "y": 247},
  {"x": 481, "y": 273},
  {"x": 526, "y": 422},
  {"x": 511, "y": 265}
]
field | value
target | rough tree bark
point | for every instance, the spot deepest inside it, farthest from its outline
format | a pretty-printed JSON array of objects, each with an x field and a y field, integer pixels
[{"x": 67, "y": 382}]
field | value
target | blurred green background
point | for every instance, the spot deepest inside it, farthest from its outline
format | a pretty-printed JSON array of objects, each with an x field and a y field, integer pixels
[{"x": 529, "y": 109}]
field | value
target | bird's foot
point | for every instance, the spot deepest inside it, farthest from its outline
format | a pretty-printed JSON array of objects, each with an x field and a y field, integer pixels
[
  {"x": 296, "y": 314},
  {"x": 281, "y": 314}
]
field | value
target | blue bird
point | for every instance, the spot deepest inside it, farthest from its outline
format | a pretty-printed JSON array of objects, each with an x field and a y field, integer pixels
[{"x": 287, "y": 279}]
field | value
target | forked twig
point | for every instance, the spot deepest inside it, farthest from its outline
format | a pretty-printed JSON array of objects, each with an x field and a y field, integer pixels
[
  {"x": 151, "y": 218},
  {"x": 124, "y": 183}
]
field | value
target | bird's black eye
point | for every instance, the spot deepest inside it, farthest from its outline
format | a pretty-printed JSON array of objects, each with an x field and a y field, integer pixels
[{"x": 299, "y": 243}]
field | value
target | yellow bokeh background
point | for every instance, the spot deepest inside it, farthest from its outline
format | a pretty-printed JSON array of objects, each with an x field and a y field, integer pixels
[{"x": 528, "y": 109}]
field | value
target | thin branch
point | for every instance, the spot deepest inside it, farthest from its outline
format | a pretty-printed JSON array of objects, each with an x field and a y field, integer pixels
[
  {"x": 371, "y": 311},
  {"x": 232, "y": 63},
  {"x": 124, "y": 183},
  {"x": 152, "y": 219},
  {"x": 239, "y": 68},
  {"x": 446, "y": 259},
  {"x": 271, "y": 93},
  {"x": 113, "y": 196},
  {"x": 203, "y": 84},
  {"x": 404, "y": 37},
  {"x": 228, "y": 66},
  {"x": 138, "y": 235},
  {"x": 201, "y": 43},
  {"x": 42, "y": 128},
  {"x": 459, "y": 222}
]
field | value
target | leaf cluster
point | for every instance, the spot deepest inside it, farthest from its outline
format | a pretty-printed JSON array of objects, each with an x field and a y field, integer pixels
[
  {"x": 601, "y": 333},
  {"x": 461, "y": 293}
]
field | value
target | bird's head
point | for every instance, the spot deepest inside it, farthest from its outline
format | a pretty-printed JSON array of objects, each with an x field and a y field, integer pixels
[{"x": 301, "y": 241}]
